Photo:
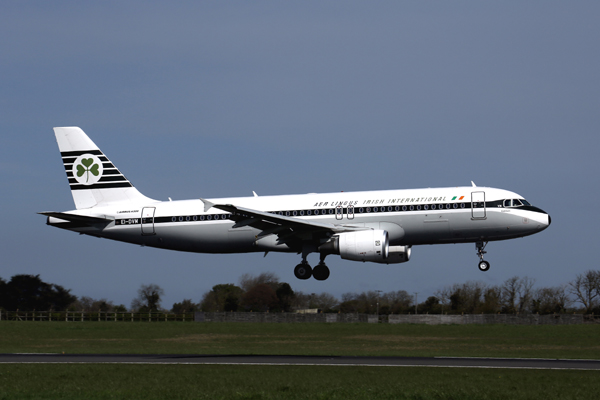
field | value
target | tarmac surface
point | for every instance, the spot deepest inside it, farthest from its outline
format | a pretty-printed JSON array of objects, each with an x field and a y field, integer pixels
[{"x": 448, "y": 362}]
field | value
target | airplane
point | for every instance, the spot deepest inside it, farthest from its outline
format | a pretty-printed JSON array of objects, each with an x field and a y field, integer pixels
[{"x": 374, "y": 226}]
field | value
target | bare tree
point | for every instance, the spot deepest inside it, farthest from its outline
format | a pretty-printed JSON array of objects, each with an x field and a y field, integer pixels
[
  {"x": 248, "y": 281},
  {"x": 148, "y": 298},
  {"x": 323, "y": 301},
  {"x": 586, "y": 289},
  {"x": 517, "y": 294},
  {"x": 88, "y": 304},
  {"x": 550, "y": 300},
  {"x": 510, "y": 289},
  {"x": 463, "y": 298},
  {"x": 492, "y": 300},
  {"x": 525, "y": 294},
  {"x": 395, "y": 302}
]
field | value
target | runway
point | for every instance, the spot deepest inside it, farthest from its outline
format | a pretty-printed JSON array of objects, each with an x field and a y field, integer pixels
[{"x": 340, "y": 361}]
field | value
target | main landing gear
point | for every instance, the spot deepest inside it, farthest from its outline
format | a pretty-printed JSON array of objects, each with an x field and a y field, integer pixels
[
  {"x": 304, "y": 271},
  {"x": 483, "y": 265}
]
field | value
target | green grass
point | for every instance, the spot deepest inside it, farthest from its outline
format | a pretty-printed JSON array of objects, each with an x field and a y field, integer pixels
[
  {"x": 543, "y": 341},
  {"x": 291, "y": 382},
  {"x": 97, "y": 381}
]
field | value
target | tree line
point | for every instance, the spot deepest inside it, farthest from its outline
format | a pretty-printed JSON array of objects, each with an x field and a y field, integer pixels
[{"x": 265, "y": 292}]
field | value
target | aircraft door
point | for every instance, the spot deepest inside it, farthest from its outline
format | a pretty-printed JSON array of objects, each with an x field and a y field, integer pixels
[
  {"x": 350, "y": 212},
  {"x": 148, "y": 221},
  {"x": 478, "y": 205}
]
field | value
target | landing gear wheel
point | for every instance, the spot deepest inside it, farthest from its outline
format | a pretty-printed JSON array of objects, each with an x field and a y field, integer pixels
[
  {"x": 303, "y": 271},
  {"x": 321, "y": 272},
  {"x": 484, "y": 265}
]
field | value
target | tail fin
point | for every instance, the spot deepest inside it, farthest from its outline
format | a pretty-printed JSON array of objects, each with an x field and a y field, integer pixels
[{"x": 94, "y": 180}]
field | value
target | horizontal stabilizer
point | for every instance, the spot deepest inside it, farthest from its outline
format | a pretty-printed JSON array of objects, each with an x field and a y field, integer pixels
[{"x": 77, "y": 218}]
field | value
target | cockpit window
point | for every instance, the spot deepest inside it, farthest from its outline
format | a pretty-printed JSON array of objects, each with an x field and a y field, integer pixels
[{"x": 516, "y": 203}]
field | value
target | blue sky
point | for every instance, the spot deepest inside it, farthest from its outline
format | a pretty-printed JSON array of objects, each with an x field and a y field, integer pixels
[{"x": 218, "y": 99}]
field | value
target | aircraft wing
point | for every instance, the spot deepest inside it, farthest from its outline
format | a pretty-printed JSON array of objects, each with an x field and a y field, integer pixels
[{"x": 286, "y": 228}]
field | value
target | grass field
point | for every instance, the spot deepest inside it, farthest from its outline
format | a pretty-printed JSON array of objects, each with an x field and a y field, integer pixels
[
  {"x": 543, "y": 341},
  {"x": 149, "y": 382},
  {"x": 295, "y": 382}
]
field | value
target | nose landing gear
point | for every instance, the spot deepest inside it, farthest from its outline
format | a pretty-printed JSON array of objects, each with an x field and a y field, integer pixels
[{"x": 483, "y": 265}]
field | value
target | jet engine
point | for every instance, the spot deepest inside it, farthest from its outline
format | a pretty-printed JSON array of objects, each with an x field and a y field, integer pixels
[{"x": 368, "y": 245}]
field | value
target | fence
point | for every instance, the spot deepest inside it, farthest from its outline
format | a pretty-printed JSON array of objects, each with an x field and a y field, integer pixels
[
  {"x": 282, "y": 317},
  {"x": 92, "y": 316},
  {"x": 507, "y": 319},
  {"x": 428, "y": 319}
]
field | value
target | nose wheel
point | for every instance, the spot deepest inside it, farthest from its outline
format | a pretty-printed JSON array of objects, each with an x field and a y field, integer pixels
[{"x": 483, "y": 265}]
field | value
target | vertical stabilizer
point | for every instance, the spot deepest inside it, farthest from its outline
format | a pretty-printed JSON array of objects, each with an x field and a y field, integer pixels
[{"x": 93, "y": 179}]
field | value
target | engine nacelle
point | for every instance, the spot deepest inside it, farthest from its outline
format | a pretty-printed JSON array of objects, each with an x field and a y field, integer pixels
[
  {"x": 397, "y": 255},
  {"x": 367, "y": 245}
]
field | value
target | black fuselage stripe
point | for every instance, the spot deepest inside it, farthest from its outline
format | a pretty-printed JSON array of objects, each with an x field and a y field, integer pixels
[{"x": 464, "y": 207}]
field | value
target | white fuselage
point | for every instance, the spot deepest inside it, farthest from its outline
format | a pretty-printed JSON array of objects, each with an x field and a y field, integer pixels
[
  {"x": 411, "y": 217},
  {"x": 374, "y": 226}
]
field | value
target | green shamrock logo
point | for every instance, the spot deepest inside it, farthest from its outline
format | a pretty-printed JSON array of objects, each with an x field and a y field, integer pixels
[{"x": 87, "y": 167}]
